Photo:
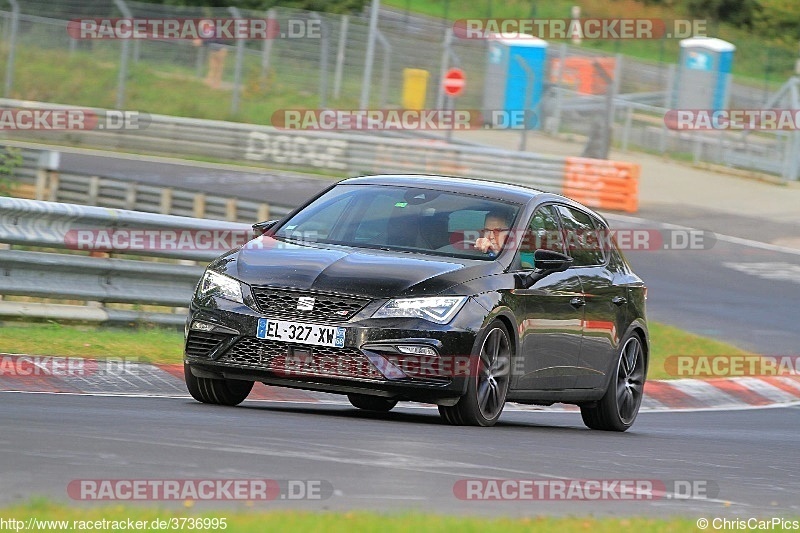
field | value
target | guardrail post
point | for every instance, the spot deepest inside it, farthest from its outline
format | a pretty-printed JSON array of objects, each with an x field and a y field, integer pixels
[
  {"x": 231, "y": 209},
  {"x": 165, "y": 206},
  {"x": 52, "y": 193},
  {"x": 130, "y": 196},
  {"x": 263, "y": 212},
  {"x": 41, "y": 184},
  {"x": 199, "y": 205},
  {"x": 94, "y": 190}
]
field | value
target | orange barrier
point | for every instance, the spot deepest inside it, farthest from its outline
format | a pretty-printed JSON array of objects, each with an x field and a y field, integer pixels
[
  {"x": 581, "y": 74},
  {"x": 602, "y": 184}
]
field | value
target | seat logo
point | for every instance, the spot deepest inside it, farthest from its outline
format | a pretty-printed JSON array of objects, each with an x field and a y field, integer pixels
[{"x": 305, "y": 303}]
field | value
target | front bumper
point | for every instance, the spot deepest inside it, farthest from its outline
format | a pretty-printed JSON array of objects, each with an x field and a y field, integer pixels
[{"x": 368, "y": 363}]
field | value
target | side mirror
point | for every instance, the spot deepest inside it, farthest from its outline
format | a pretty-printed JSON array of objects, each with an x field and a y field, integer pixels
[
  {"x": 546, "y": 262},
  {"x": 550, "y": 261},
  {"x": 260, "y": 228}
]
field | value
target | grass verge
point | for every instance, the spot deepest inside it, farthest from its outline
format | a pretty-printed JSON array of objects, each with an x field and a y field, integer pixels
[
  {"x": 158, "y": 345},
  {"x": 332, "y": 522}
]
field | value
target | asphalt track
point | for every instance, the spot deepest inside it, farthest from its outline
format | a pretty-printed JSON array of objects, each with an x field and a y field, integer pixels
[
  {"x": 408, "y": 459},
  {"x": 403, "y": 460}
]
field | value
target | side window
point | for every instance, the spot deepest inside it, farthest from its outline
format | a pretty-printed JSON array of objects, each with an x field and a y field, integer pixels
[
  {"x": 543, "y": 232},
  {"x": 581, "y": 237}
]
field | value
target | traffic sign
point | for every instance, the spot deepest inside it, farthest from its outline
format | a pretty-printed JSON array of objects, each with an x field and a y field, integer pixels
[{"x": 454, "y": 81}]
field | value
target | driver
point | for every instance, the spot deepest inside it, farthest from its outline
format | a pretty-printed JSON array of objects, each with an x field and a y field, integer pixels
[{"x": 496, "y": 228}]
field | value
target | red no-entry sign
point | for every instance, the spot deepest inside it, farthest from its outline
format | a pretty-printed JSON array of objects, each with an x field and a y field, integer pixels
[{"x": 454, "y": 81}]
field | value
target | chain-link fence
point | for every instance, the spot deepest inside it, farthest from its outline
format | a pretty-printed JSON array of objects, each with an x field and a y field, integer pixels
[{"x": 623, "y": 102}]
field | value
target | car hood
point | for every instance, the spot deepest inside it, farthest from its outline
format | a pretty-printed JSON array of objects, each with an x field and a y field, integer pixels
[{"x": 346, "y": 270}]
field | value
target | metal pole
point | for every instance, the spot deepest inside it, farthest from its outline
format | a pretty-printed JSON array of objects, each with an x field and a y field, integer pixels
[
  {"x": 12, "y": 45},
  {"x": 267, "y": 50},
  {"x": 450, "y": 103},
  {"x": 528, "y": 100},
  {"x": 370, "y": 56},
  {"x": 237, "y": 72},
  {"x": 387, "y": 61},
  {"x": 337, "y": 77},
  {"x": 444, "y": 65},
  {"x": 123, "y": 63},
  {"x": 562, "y": 58},
  {"x": 323, "y": 60}
]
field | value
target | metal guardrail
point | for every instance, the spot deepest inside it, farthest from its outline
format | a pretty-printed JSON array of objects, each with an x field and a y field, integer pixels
[
  {"x": 61, "y": 276},
  {"x": 331, "y": 151},
  {"x": 36, "y": 179}
]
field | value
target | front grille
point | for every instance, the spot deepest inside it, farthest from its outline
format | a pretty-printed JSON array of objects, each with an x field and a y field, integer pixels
[
  {"x": 283, "y": 303},
  {"x": 201, "y": 343},
  {"x": 292, "y": 359}
]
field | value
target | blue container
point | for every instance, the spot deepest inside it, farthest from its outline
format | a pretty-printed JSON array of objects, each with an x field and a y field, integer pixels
[
  {"x": 506, "y": 82},
  {"x": 704, "y": 74}
]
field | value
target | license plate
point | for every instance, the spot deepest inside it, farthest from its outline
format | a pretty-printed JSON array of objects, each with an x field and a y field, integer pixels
[{"x": 300, "y": 333}]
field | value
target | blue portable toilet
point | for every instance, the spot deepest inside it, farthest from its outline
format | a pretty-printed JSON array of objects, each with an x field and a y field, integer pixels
[
  {"x": 507, "y": 80},
  {"x": 704, "y": 73}
]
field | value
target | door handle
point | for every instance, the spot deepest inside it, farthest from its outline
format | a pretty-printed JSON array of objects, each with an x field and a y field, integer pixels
[
  {"x": 577, "y": 302},
  {"x": 619, "y": 300}
]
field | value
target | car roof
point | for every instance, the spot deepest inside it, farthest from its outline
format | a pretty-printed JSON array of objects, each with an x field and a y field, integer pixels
[{"x": 489, "y": 189}]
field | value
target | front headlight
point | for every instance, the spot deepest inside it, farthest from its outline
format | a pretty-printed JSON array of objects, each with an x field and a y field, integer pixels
[
  {"x": 214, "y": 283},
  {"x": 439, "y": 309}
]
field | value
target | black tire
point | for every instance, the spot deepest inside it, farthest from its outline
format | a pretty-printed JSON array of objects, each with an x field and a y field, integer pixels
[
  {"x": 216, "y": 391},
  {"x": 618, "y": 407},
  {"x": 371, "y": 403},
  {"x": 487, "y": 383}
]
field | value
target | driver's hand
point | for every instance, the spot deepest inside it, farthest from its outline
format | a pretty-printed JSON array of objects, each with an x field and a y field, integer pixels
[{"x": 485, "y": 245}]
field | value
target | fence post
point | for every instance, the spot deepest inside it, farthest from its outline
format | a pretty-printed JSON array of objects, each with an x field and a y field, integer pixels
[
  {"x": 123, "y": 65},
  {"x": 444, "y": 64},
  {"x": 266, "y": 51},
  {"x": 387, "y": 61},
  {"x": 562, "y": 58},
  {"x": 337, "y": 77},
  {"x": 370, "y": 55},
  {"x": 12, "y": 46},
  {"x": 237, "y": 72},
  {"x": 323, "y": 60}
]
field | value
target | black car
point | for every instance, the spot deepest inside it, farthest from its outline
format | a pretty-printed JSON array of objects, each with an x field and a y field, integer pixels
[{"x": 457, "y": 292}]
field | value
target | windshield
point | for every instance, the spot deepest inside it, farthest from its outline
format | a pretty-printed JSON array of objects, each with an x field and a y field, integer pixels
[{"x": 401, "y": 218}]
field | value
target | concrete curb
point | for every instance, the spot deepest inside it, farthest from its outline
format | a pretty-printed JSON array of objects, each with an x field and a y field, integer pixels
[{"x": 72, "y": 375}]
